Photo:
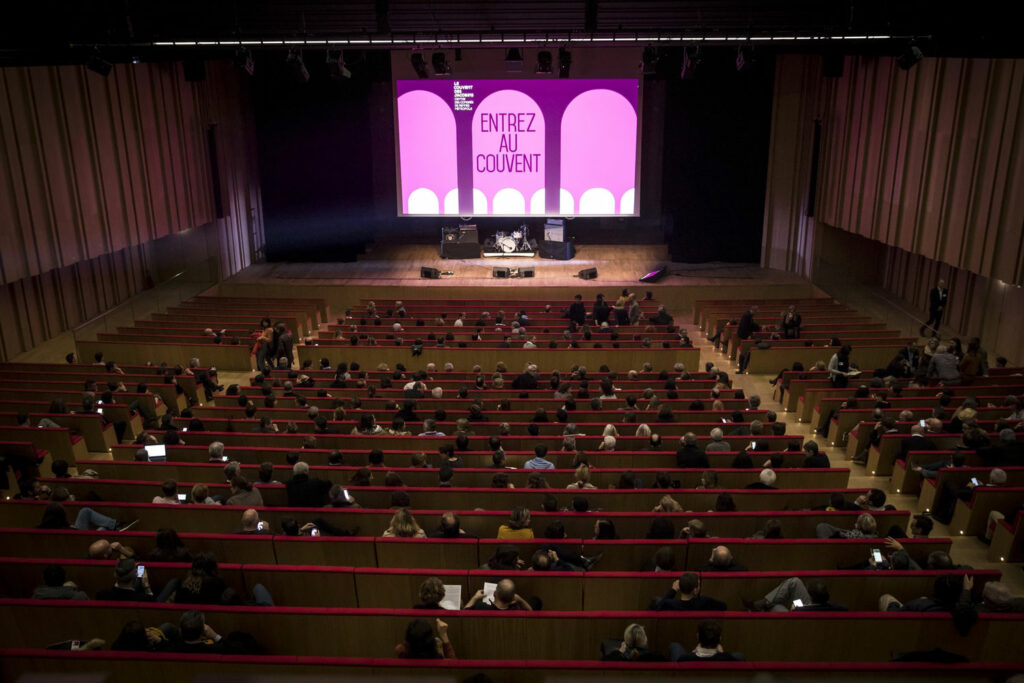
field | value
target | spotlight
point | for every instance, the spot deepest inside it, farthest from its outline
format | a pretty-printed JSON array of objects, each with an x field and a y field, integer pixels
[
  {"x": 440, "y": 64},
  {"x": 691, "y": 63},
  {"x": 419, "y": 65},
  {"x": 136, "y": 60},
  {"x": 744, "y": 58},
  {"x": 99, "y": 65},
  {"x": 513, "y": 60},
  {"x": 336, "y": 66},
  {"x": 649, "y": 65},
  {"x": 543, "y": 62},
  {"x": 910, "y": 56},
  {"x": 564, "y": 62},
  {"x": 297, "y": 66},
  {"x": 244, "y": 60}
]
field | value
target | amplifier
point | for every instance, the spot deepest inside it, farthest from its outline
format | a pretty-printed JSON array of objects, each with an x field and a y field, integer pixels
[{"x": 560, "y": 251}]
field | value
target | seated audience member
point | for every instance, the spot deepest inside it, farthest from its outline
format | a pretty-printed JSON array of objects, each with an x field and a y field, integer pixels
[
  {"x": 129, "y": 585},
  {"x": 721, "y": 560},
  {"x": 813, "y": 597},
  {"x": 505, "y": 558},
  {"x": 518, "y": 525},
  {"x": 450, "y": 528},
  {"x": 421, "y": 643},
  {"x": 685, "y": 596},
  {"x": 582, "y": 478},
  {"x": 505, "y": 598},
  {"x": 694, "y": 528},
  {"x": 664, "y": 560},
  {"x": 689, "y": 455},
  {"x": 604, "y": 530},
  {"x": 814, "y": 457},
  {"x": 195, "y": 636},
  {"x": 243, "y": 493},
  {"x": 431, "y": 593},
  {"x": 865, "y": 527},
  {"x": 765, "y": 480},
  {"x": 56, "y": 586},
  {"x": 56, "y": 517},
  {"x": 306, "y": 491},
  {"x": 105, "y": 550},
  {"x": 539, "y": 461},
  {"x": 169, "y": 548},
  {"x": 251, "y": 524},
  {"x": 632, "y": 648},
  {"x": 996, "y": 596},
  {"x": 951, "y": 593},
  {"x": 709, "y": 646},
  {"x": 403, "y": 525}
]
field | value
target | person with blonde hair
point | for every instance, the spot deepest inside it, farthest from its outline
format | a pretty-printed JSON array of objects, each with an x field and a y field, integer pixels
[
  {"x": 633, "y": 648},
  {"x": 643, "y": 430},
  {"x": 518, "y": 525},
  {"x": 610, "y": 430},
  {"x": 607, "y": 443},
  {"x": 582, "y": 478},
  {"x": 403, "y": 525}
]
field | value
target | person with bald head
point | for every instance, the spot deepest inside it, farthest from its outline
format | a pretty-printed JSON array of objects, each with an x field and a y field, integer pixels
[
  {"x": 505, "y": 598},
  {"x": 917, "y": 441},
  {"x": 103, "y": 549},
  {"x": 721, "y": 560},
  {"x": 252, "y": 525}
]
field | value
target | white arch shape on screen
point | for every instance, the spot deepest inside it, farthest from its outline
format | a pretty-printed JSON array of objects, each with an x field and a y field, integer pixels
[
  {"x": 537, "y": 202},
  {"x": 626, "y": 204},
  {"x": 451, "y": 202},
  {"x": 479, "y": 202},
  {"x": 423, "y": 201},
  {"x": 597, "y": 200},
  {"x": 508, "y": 200},
  {"x": 566, "y": 204}
]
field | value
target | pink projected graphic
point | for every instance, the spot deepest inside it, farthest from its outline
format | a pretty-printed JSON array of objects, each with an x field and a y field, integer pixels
[{"x": 517, "y": 147}]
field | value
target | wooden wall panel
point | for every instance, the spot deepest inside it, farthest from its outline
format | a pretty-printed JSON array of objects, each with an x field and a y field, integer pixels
[
  {"x": 100, "y": 178},
  {"x": 94, "y": 165},
  {"x": 927, "y": 160}
]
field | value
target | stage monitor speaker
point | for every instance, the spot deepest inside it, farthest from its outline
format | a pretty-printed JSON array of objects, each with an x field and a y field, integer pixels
[
  {"x": 588, "y": 273},
  {"x": 460, "y": 250},
  {"x": 526, "y": 272},
  {"x": 502, "y": 273},
  {"x": 560, "y": 251},
  {"x": 430, "y": 273}
]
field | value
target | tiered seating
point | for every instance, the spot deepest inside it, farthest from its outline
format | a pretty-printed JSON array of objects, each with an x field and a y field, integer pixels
[{"x": 340, "y": 598}]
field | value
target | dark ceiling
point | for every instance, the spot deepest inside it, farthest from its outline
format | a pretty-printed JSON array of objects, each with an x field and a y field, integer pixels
[{"x": 59, "y": 31}]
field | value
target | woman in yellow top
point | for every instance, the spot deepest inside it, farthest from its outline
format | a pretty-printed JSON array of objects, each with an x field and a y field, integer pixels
[{"x": 518, "y": 525}]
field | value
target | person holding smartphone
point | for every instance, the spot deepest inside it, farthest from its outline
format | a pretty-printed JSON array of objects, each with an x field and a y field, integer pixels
[
  {"x": 793, "y": 595},
  {"x": 131, "y": 583}
]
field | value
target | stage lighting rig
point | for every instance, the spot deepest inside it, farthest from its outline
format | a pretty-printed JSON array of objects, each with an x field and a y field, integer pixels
[
  {"x": 513, "y": 60},
  {"x": 543, "y": 63},
  {"x": 420, "y": 65},
  {"x": 296, "y": 66},
  {"x": 691, "y": 63},
  {"x": 244, "y": 60},
  {"x": 98, "y": 65},
  {"x": 910, "y": 56},
  {"x": 440, "y": 63},
  {"x": 564, "y": 62},
  {"x": 336, "y": 66}
]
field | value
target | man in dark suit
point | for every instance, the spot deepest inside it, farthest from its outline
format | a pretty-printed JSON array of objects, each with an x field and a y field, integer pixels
[
  {"x": 917, "y": 441},
  {"x": 689, "y": 455},
  {"x": 305, "y": 491},
  {"x": 685, "y": 596},
  {"x": 577, "y": 311},
  {"x": 937, "y": 300},
  {"x": 815, "y": 458},
  {"x": 791, "y": 322},
  {"x": 527, "y": 380},
  {"x": 747, "y": 327}
]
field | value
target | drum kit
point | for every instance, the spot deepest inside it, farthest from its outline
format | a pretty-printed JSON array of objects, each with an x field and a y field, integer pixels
[{"x": 516, "y": 241}]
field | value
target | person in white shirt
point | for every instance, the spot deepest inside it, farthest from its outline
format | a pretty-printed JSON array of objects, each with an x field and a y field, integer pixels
[{"x": 459, "y": 321}]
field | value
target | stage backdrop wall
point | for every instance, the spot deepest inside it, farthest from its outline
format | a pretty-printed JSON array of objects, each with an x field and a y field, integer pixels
[
  {"x": 327, "y": 158},
  {"x": 109, "y": 188}
]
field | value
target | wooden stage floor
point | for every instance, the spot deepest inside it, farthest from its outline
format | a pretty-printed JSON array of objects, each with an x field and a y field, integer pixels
[{"x": 616, "y": 265}]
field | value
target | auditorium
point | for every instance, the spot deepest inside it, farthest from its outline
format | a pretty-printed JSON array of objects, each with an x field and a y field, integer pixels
[{"x": 688, "y": 334}]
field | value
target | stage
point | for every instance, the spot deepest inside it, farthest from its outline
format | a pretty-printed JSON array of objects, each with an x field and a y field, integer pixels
[{"x": 616, "y": 265}]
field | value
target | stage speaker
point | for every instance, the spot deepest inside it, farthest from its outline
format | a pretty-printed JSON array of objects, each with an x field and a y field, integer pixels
[
  {"x": 457, "y": 249},
  {"x": 430, "y": 273},
  {"x": 502, "y": 273},
  {"x": 588, "y": 273},
  {"x": 526, "y": 272},
  {"x": 560, "y": 251}
]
